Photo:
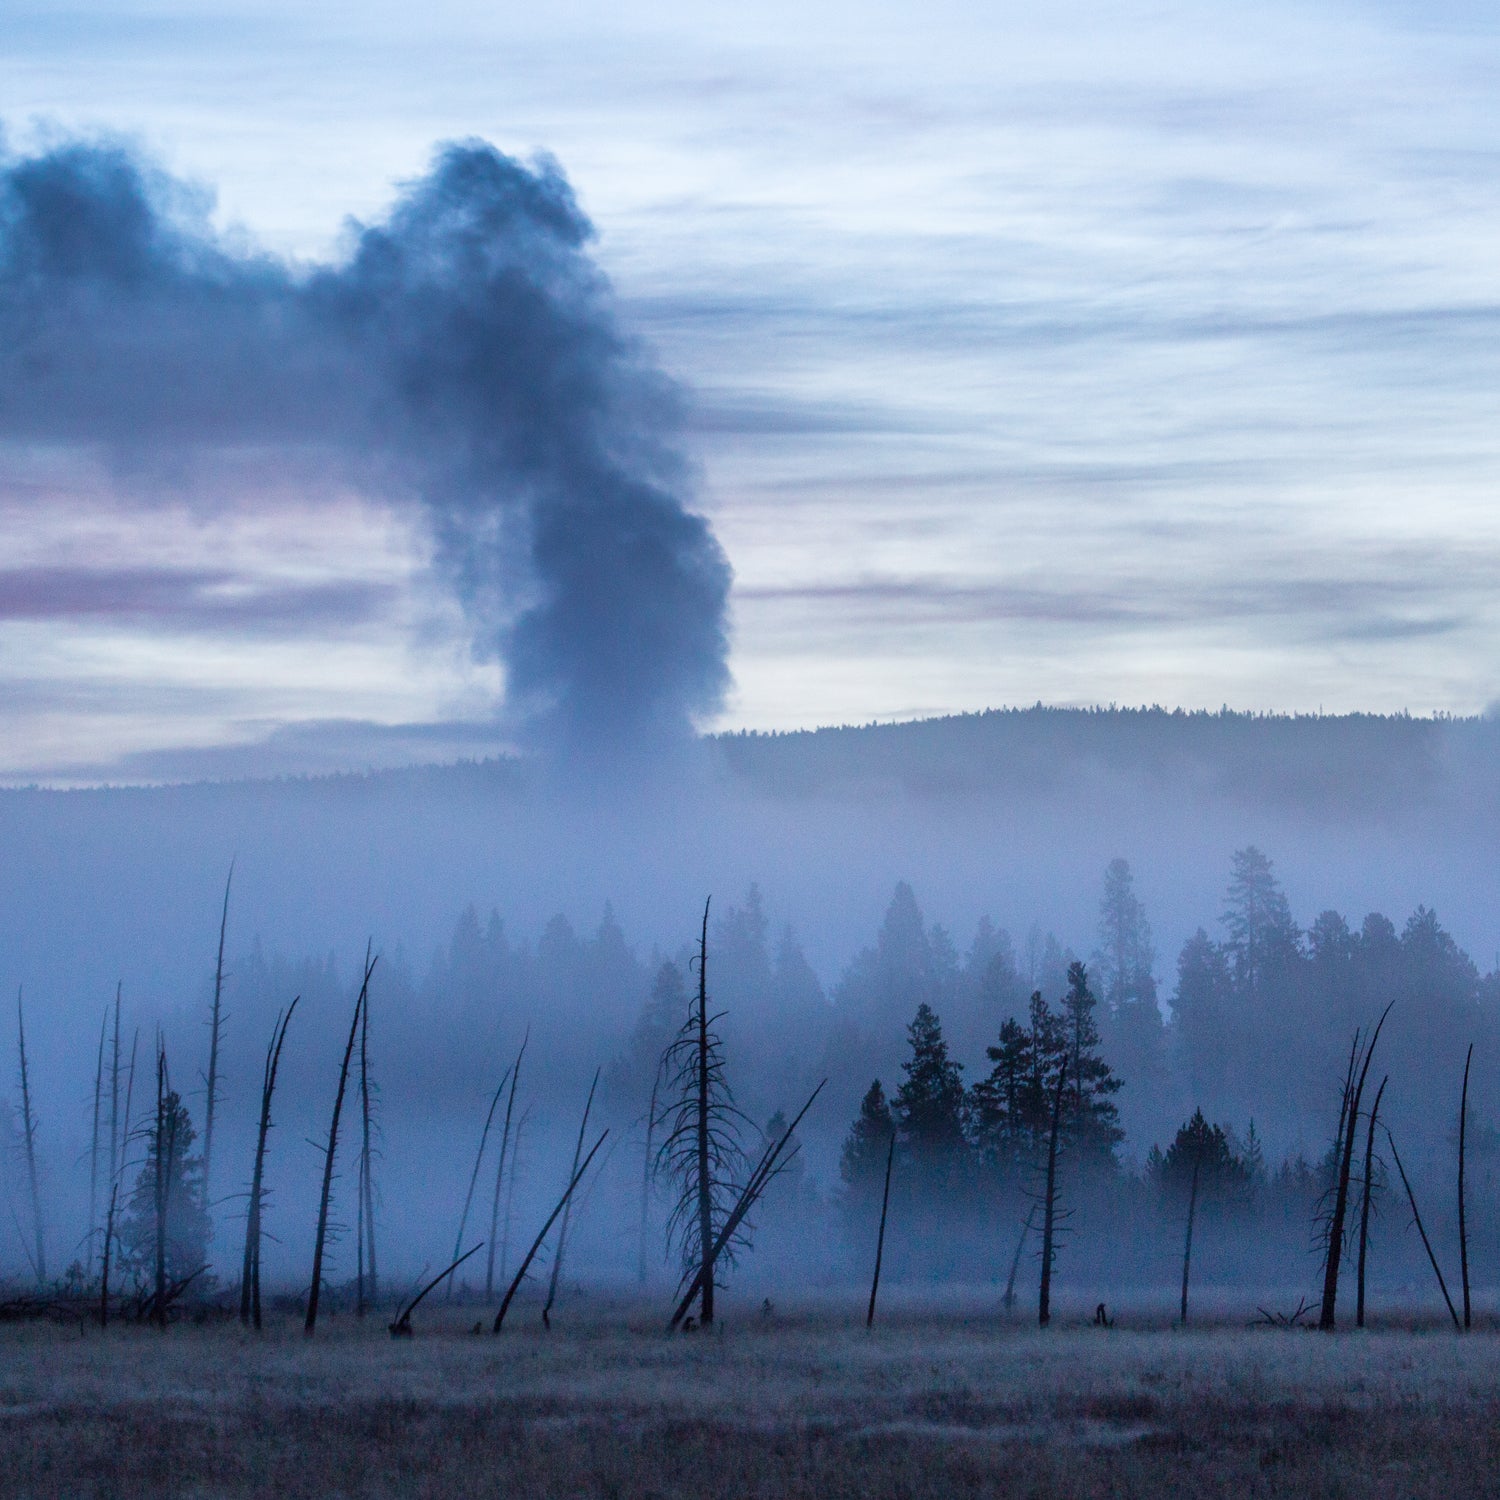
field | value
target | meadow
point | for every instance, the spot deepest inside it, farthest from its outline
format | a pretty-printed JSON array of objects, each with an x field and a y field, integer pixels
[{"x": 779, "y": 1402}]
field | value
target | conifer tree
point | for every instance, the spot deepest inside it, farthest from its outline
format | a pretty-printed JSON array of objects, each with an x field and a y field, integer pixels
[
  {"x": 1092, "y": 1118},
  {"x": 862, "y": 1159},
  {"x": 931, "y": 1107}
]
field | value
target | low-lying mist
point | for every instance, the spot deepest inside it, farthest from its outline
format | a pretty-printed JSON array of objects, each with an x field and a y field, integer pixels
[{"x": 856, "y": 875}]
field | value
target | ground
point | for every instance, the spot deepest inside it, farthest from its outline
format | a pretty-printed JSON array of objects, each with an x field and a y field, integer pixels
[{"x": 794, "y": 1403}]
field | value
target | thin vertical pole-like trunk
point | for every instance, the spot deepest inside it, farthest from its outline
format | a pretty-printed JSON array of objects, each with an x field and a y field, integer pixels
[
  {"x": 250, "y": 1273},
  {"x": 463, "y": 1221},
  {"x": 1349, "y": 1115},
  {"x": 28, "y": 1121},
  {"x": 1187, "y": 1245},
  {"x": 116, "y": 1140},
  {"x": 646, "y": 1175},
  {"x": 164, "y": 1143},
  {"x": 1009, "y": 1299},
  {"x": 562, "y": 1230},
  {"x": 705, "y": 1182},
  {"x": 109, "y": 1235},
  {"x": 1463, "y": 1229},
  {"x": 510, "y": 1104},
  {"x": 94, "y": 1147},
  {"x": 885, "y": 1203},
  {"x": 320, "y": 1239},
  {"x": 366, "y": 1184},
  {"x": 215, "y": 1017},
  {"x": 1411, "y": 1198},
  {"x": 510, "y": 1191},
  {"x": 1364, "y": 1208},
  {"x": 1049, "y": 1211}
]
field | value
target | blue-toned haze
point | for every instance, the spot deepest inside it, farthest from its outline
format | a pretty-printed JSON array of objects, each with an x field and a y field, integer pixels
[{"x": 1123, "y": 354}]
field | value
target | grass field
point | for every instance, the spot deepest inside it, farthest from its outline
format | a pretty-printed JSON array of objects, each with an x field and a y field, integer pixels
[{"x": 798, "y": 1405}]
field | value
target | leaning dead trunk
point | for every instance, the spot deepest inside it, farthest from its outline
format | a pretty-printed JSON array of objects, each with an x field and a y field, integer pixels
[
  {"x": 400, "y": 1328},
  {"x": 109, "y": 1235},
  {"x": 510, "y": 1104},
  {"x": 1411, "y": 1198},
  {"x": 1349, "y": 1115},
  {"x": 311, "y": 1322},
  {"x": 28, "y": 1121},
  {"x": 165, "y": 1144},
  {"x": 1049, "y": 1209},
  {"x": 562, "y": 1229},
  {"x": 365, "y": 1187},
  {"x": 647, "y": 1172},
  {"x": 1008, "y": 1301},
  {"x": 885, "y": 1201},
  {"x": 1364, "y": 1209},
  {"x": 760, "y": 1179},
  {"x": 1463, "y": 1232},
  {"x": 250, "y": 1274},
  {"x": 1187, "y": 1244},
  {"x": 536, "y": 1244},
  {"x": 463, "y": 1220},
  {"x": 214, "y": 1020}
]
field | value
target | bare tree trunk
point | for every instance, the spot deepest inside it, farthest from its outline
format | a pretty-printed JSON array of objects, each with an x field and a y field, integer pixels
[
  {"x": 1463, "y": 1232},
  {"x": 463, "y": 1221},
  {"x": 165, "y": 1147},
  {"x": 705, "y": 1184},
  {"x": 250, "y": 1274},
  {"x": 311, "y": 1322},
  {"x": 1049, "y": 1212},
  {"x": 1364, "y": 1210},
  {"x": 1009, "y": 1299},
  {"x": 1411, "y": 1198},
  {"x": 1187, "y": 1247},
  {"x": 1348, "y": 1116},
  {"x": 215, "y": 1017},
  {"x": 536, "y": 1244},
  {"x": 885, "y": 1201},
  {"x": 28, "y": 1120},
  {"x": 510, "y": 1104},
  {"x": 510, "y": 1191},
  {"x": 109, "y": 1234},
  {"x": 562, "y": 1231},
  {"x": 116, "y": 1142},
  {"x": 646, "y": 1175},
  {"x": 94, "y": 1148},
  {"x": 759, "y": 1179},
  {"x": 366, "y": 1184}
]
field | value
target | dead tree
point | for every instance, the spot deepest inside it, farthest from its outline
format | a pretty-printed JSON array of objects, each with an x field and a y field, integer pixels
[
  {"x": 109, "y": 1234},
  {"x": 94, "y": 1147},
  {"x": 562, "y": 1229},
  {"x": 536, "y": 1244},
  {"x": 401, "y": 1327},
  {"x": 1049, "y": 1209},
  {"x": 311, "y": 1321},
  {"x": 164, "y": 1139},
  {"x": 250, "y": 1274},
  {"x": 1463, "y": 1232},
  {"x": 1008, "y": 1301},
  {"x": 364, "y": 1229},
  {"x": 1187, "y": 1244},
  {"x": 510, "y": 1189},
  {"x": 1364, "y": 1210},
  {"x": 28, "y": 1122},
  {"x": 701, "y": 1152},
  {"x": 510, "y": 1104},
  {"x": 647, "y": 1173},
  {"x": 885, "y": 1201},
  {"x": 214, "y": 1020},
  {"x": 1411, "y": 1198},
  {"x": 115, "y": 1141},
  {"x": 1348, "y": 1117},
  {"x": 463, "y": 1221},
  {"x": 768, "y": 1167}
]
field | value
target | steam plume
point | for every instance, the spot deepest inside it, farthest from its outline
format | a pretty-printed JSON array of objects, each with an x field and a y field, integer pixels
[{"x": 466, "y": 357}]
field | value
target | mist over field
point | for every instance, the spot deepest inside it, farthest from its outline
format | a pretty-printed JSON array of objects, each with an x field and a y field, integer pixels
[{"x": 855, "y": 874}]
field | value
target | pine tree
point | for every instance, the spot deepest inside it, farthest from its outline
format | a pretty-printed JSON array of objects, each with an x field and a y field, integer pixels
[
  {"x": 1261, "y": 935},
  {"x": 1222, "y": 1173},
  {"x": 862, "y": 1159},
  {"x": 187, "y": 1220},
  {"x": 998, "y": 1104},
  {"x": 931, "y": 1106},
  {"x": 1092, "y": 1118}
]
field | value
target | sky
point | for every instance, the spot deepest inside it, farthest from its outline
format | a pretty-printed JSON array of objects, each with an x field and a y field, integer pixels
[{"x": 1121, "y": 354}]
